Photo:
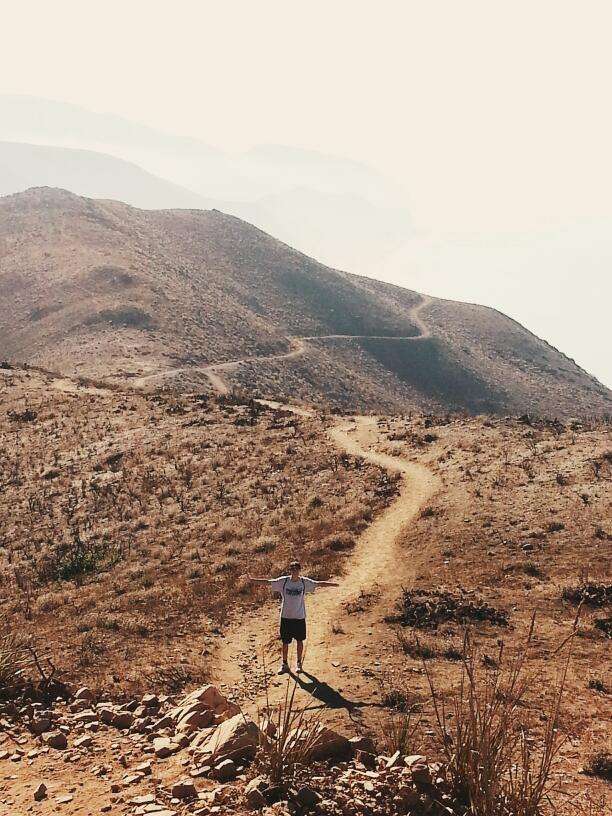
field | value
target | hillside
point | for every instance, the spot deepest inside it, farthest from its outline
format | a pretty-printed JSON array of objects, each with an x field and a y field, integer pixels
[
  {"x": 88, "y": 173},
  {"x": 101, "y": 289},
  {"x": 343, "y": 212},
  {"x": 127, "y": 521}
]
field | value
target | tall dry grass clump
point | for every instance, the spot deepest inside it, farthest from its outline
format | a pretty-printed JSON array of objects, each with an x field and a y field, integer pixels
[
  {"x": 15, "y": 659},
  {"x": 497, "y": 766},
  {"x": 289, "y": 737}
]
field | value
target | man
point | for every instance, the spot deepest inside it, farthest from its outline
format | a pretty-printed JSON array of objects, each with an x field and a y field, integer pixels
[{"x": 292, "y": 588}]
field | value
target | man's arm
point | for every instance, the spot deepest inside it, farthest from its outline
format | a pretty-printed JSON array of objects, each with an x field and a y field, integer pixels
[
  {"x": 327, "y": 583},
  {"x": 258, "y": 580}
]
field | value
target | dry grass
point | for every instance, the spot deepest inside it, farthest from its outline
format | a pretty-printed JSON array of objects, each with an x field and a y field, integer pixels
[
  {"x": 504, "y": 529},
  {"x": 497, "y": 765},
  {"x": 289, "y": 736},
  {"x": 126, "y": 520}
]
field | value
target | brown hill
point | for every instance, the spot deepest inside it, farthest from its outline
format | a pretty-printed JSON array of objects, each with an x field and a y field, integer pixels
[
  {"x": 101, "y": 289},
  {"x": 127, "y": 520}
]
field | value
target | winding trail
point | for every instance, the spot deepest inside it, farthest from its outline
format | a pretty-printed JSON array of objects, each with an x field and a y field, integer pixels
[
  {"x": 298, "y": 347},
  {"x": 377, "y": 566}
]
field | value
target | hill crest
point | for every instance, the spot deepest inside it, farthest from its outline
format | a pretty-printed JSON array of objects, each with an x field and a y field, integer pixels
[{"x": 99, "y": 288}]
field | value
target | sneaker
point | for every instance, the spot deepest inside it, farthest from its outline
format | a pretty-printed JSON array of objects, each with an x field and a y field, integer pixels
[{"x": 283, "y": 669}]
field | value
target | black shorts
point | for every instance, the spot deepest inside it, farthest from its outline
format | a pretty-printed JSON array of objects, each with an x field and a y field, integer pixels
[{"x": 292, "y": 628}]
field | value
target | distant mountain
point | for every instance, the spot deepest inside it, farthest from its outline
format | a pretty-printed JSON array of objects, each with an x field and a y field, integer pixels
[
  {"x": 88, "y": 173},
  {"x": 344, "y": 212},
  {"x": 103, "y": 289}
]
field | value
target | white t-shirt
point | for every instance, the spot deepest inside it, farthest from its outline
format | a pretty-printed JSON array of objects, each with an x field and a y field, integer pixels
[{"x": 293, "y": 593}]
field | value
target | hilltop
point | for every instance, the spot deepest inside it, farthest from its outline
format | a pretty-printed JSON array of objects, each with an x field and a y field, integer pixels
[{"x": 100, "y": 289}]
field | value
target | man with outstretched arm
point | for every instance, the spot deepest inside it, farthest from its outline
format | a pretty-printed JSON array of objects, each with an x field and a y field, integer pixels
[{"x": 292, "y": 588}]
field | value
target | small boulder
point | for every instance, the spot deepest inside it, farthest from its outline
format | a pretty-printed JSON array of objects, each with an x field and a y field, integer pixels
[
  {"x": 320, "y": 742},
  {"x": 123, "y": 719},
  {"x": 40, "y": 793},
  {"x": 106, "y": 715},
  {"x": 415, "y": 759},
  {"x": 184, "y": 790},
  {"x": 164, "y": 747},
  {"x": 56, "y": 739},
  {"x": 307, "y": 797},
  {"x": 41, "y": 725},
  {"x": 225, "y": 771},
  {"x": 421, "y": 774},
  {"x": 236, "y": 738},
  {"x": 254, "y": 793},
  {"x": 393, "y": 761},
  {"x": 362, "y": 744}
]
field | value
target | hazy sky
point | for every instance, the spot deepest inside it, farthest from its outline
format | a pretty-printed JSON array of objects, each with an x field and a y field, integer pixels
[{"x": 495, "y": 116}]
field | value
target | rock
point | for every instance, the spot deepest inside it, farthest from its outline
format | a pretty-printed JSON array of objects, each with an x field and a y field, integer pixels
[
  {"x": 202, "y": 770},
  {"x": 307, "y": 797},
  {"x": 41, "y": 792},
  {"x": 146, "y": 799},
  {"x": 369, "y": 760},
  {"x": 84, "y": 694},
  {"x": 83, "y": 742},
  {"x": 106, "y": 715},
  {"x": 163, "y": 722},
  {"x": 415, "y": 759},
  {"x": 150, "y": 701},
  {"x": 144, "y": 768},
  {"x": 184, "y": 790},
  {"x": 225, "y": 771},
  {"x": 164, "y": 747},
  {"x": 421, "y": 774},
  {"x": 254, "y": 792},
  {"x": 41, "y": 726},
  {"x": 56, "y": 739},
  {"x": 320, "y": 743},
  {"x": 86, "y": 716},
  {"x": 195, "y": 719},
  {"x": 63, "y": 800},
  {"x": 393, "y": 760},
  {"x": 236, "y": 738},
  {"x": 123, "y": 719},
  {"x": 362, "y": 744},
  {"x": 201, "y": 709}
]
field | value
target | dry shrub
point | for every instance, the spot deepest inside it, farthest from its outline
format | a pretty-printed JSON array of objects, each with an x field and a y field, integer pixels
[
  {"x": 599, "y": 764},
  {"x": 289, "y": 736},
  {"x": 589, "y": 593},
  {"x": 398, "y": 732},
  {"x": 15, "y": 659},
  {"x": 495, "y": 766},
  {"x": 340, "y": 541}
]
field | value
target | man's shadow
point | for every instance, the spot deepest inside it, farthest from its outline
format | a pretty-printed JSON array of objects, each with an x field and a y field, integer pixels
[{"x": 326, "y": 694}]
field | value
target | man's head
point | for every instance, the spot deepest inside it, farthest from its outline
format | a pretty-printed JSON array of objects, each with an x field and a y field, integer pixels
[{"x": 294, "y": 569}]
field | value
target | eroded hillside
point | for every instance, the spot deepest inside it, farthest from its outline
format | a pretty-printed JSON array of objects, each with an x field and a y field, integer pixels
[{"x": 98, "y": 288}]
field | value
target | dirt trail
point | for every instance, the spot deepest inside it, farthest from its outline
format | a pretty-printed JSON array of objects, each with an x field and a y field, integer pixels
[
  {"x": 336, "y": 639},
  {"x": 298, "y": 347}
]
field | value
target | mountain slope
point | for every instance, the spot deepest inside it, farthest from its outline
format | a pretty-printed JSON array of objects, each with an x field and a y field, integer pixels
[
  {"x": 99, "y": 288},
  {"x": 331, "y": 207},
  {"x": 89, "y": 173}
]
